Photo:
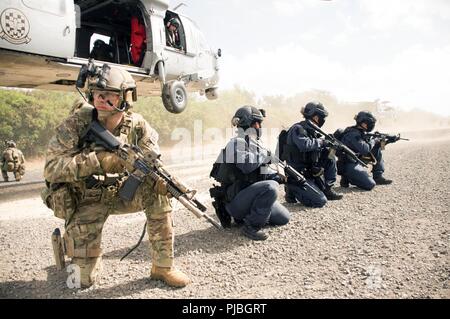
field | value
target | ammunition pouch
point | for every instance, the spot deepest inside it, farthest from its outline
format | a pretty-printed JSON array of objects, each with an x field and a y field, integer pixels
[
  {"x": 105, "y": 190},
  {"x": 61, "y": 199},
  {"x": 294, "y": 156},
  {"x": 91, "y": 196}
]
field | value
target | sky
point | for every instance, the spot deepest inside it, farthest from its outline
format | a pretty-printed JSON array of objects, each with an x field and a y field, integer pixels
[{"x": 396, "y": 51}]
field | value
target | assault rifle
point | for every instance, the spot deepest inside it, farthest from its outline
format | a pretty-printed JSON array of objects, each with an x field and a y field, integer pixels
[
  {"x": 144, "y": 166},
  {"x": 337, "y": 145},
  {"x": 218, "y": 193},
  {"x": 389, "y": 139},
  {"x": 296, "y": 177}
]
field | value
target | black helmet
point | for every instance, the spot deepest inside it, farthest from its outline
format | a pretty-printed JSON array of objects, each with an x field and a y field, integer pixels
[
  {"x": 175, "y": 22},
  {"x": 314, "y": 108},
  {"x": 247, "y": 115},
  {"x": 368, "y": 118}
]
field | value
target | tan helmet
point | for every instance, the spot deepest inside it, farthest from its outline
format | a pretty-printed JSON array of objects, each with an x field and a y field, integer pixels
[{"x": 114, "y": 79}]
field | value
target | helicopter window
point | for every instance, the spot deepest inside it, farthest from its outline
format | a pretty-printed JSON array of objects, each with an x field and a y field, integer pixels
[
  {"x": 175, "y": 34},
  {"x": 112, "y": 31}
]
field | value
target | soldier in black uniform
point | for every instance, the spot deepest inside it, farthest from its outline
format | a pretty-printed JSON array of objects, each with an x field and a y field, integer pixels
[
  {"x": 250, "y": 187},
  {"x": 369, "y": 150},
  {"x": 308, "y": 153}
]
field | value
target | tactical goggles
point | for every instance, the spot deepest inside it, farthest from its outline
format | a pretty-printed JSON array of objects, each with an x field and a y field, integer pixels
[{"x": 105, "y": 94}]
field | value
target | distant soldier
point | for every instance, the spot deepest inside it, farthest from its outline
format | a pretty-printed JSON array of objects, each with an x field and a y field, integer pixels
[
  {"x": 83, "y": 183},
  {"x": 12, "y": 161},
  {"x": 173, "y": 34},
  {"x": 249, "y": 187},
  {"x": 369, "y": 149},
  {"x": 308, "y": 152}
]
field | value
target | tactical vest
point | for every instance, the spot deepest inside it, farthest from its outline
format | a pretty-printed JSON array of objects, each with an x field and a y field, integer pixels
[
  {"x": 343, "y": 158},
  {"x": 293, "y": 155},
  {"x": 228, "y": 173},
  {"x": 64, "y": 198}
]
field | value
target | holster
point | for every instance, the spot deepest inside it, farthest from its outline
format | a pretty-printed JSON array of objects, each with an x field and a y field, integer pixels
[{"x": 219, "y": 194}]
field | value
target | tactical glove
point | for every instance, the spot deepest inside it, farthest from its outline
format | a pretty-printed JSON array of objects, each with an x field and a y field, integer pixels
[
  {"x": 161, "y": 187},
  {"x": 111, "y": 163},
  {"x": 326, "y": 143}
]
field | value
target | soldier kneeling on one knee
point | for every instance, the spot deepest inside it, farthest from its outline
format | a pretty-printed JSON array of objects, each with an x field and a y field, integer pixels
[
  {"x": 369, "y": 148},
  {"x": 309, "y": 153},
  {"x": 12, "y": 161},
  {"x": 248, "y": 185},
  {"x": 83, "y": 181}
]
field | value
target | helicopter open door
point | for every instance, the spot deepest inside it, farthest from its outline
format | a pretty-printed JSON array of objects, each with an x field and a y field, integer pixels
[{"x": 43, "y": 27}]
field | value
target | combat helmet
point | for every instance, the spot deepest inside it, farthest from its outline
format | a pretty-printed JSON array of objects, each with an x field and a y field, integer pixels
[
  {"x": 315, "y": 109},
  {"x": 247, "y": 115},
  {"x": 368, "y": 118},
  {"x": 116, "y": 80},
  {"x": 175, "y": 22}
]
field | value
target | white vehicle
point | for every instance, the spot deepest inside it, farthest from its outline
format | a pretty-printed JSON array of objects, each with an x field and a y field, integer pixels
[{"x": 43, "y": 44}]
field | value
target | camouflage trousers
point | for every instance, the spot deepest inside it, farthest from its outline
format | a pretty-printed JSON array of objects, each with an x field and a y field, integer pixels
[
  {"x": 17, "y": 170},
  {"x": 82, "y": 239}
]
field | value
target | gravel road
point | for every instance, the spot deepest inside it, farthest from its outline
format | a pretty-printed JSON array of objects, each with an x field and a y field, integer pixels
[{"x": 390, "y": 243}]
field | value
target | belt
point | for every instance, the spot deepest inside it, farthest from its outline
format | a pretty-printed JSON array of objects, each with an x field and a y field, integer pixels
[{"x": 97, "y": 181}]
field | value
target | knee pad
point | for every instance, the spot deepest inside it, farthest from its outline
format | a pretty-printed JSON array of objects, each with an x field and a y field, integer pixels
[{"x": 80, "y": 251}]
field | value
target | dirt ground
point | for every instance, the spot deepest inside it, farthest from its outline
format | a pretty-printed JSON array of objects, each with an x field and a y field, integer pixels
[{"x": 390, "y": 243}]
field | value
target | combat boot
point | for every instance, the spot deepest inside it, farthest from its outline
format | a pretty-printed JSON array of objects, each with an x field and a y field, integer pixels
[
  {"x": 332, "y": 195},
  {"x": 254, "y": 233},
  {"x": 344, "y": 182},
  {"x": 170, "y": 276},
  {"x": 289, "y": 197},
  {"x": 382, "y": 181}
]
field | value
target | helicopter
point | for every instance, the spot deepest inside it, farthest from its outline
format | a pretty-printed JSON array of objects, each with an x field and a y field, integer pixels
[{"x": 45, "y": 43}]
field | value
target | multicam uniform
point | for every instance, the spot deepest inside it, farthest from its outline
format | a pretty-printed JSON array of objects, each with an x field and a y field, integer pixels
[
  {"x": 84, "y": 195},
  {"x": 13, "y": 161}
]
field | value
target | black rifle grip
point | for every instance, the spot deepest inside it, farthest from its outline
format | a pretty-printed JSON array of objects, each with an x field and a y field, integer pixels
[{"x": 129, "y": 188}]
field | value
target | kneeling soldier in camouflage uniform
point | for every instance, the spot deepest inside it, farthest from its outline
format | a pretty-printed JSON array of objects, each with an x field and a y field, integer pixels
[
  {"x": 12, "y": 160},
  {"x": 83, "y": 183}
]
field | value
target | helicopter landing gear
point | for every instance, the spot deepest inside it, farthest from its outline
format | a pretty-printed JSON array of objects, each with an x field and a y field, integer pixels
[{"x": 174, "y": 97}]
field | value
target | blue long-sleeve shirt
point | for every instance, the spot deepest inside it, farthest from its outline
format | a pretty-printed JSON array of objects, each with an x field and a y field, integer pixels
[
  {"x": 354, "y": 139},
  {"x": 305, "y": 142}
]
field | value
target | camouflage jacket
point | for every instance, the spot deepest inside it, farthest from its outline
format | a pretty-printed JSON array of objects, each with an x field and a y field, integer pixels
[{"x": 68, "y": 162}]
